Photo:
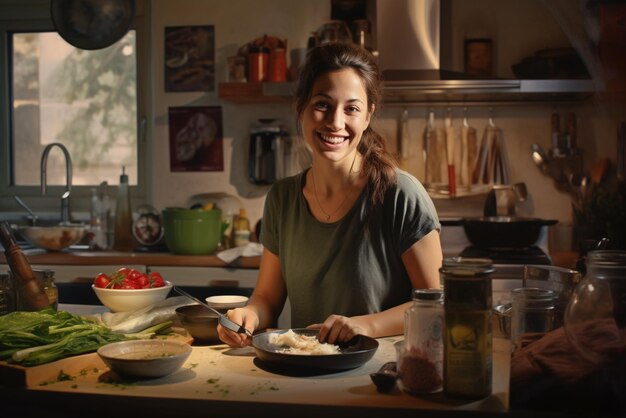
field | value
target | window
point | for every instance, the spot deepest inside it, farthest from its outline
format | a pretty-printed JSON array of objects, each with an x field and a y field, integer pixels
[{"x": 88, "y": 100}]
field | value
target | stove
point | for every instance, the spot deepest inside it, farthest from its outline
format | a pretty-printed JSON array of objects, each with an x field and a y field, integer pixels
[{"x": 528, "y": 255}]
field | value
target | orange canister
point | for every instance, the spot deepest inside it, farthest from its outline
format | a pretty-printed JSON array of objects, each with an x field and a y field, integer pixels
[
  {"x": 258, "y": 62},
  {"x": 278, "y": 65}
]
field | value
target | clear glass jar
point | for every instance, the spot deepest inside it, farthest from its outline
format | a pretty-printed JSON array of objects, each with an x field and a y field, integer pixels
[
  {"x": 533, "y": 314},
  {"x": 420, "y": 358},
  {"x": 50, "y": 287},
  {"x": 468, "y": 337},
  {"x": 7, "y": 294},
  {"x": 595, "y": 317}
]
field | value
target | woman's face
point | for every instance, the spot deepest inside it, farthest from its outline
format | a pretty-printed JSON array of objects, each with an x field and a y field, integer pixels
[{"x": 336, "y": 115}]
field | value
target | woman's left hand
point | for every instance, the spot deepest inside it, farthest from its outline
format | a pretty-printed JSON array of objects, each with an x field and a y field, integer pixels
[{"x": 337, "y": 328}]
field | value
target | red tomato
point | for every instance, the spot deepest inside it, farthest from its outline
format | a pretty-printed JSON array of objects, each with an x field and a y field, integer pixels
[
  {"x": 133, "y": 274},
  {"x": 156, "y": 280},
  {"x": 102, "y": 280},
  {"x": 143, "y": 281},
  {"x": 124, "y": 271}
]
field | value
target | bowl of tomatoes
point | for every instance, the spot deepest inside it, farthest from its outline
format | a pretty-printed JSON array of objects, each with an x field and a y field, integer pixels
[{"x": 127, "y": 290}]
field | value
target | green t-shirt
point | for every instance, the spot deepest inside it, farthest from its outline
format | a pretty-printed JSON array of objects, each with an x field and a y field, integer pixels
[{"x": 352, "y": 266}]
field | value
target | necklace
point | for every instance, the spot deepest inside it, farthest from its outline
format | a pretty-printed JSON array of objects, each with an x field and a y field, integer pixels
[{"x": 329, "y": 215}]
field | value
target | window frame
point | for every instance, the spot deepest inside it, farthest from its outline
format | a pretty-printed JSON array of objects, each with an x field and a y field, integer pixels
[{"x": 33, "y": 16}]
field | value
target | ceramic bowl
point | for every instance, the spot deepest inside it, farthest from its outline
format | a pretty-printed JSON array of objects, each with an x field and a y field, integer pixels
[
  {"x": 200, "y": 322},
  {"x": 145, "y": 358},
  {"x": 129, "y": 300},
  {"x": 225, "y": 302}
]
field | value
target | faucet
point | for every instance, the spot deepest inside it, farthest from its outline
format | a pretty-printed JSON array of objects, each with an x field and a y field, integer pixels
[{"x": 65, "y": 197}]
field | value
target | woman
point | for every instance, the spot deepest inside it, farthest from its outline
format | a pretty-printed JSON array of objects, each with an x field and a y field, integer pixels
[{"x": 348, "y": 238}]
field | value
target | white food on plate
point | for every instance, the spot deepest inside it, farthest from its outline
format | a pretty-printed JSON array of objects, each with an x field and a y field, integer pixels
[{"x": 301, "y": 344}]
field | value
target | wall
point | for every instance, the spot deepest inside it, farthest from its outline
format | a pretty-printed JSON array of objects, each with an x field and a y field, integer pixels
[{"x": 239, "y": 21}]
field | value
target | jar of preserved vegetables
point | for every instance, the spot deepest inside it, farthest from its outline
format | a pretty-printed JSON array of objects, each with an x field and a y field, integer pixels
[{"x": 468, "y": 357}]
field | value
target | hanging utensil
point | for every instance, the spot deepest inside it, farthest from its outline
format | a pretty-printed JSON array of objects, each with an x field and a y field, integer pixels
[
  {"x": 403, "y": 132},
  {"x": 450, "y": 151},
  {"x": 431, "y": 150},
  {"x": 92, "y": 24},
  {"x": 223, "y": 319}
]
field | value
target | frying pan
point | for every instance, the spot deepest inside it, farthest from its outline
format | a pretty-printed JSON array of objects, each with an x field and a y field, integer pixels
[
  {"x": 92, "y": 24},
  {"x": 354, "y": 353},
  {"x": 503, "y": 231}
]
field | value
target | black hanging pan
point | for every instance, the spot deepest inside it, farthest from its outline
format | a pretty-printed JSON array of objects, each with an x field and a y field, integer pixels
[{"x": 92, "y": 24}]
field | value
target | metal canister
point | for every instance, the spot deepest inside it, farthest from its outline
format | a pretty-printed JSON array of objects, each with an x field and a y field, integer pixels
[
  {"x": 420, "y": 359},
  {"x": 468, "y": 338}
]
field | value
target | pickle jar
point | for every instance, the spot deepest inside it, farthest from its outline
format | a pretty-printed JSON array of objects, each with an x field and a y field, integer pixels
[
  {"x": 468, "y": 343},
  {"x": 420, "y": 360}
]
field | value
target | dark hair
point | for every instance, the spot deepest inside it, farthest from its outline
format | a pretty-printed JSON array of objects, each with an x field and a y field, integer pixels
[{"x": 378, "y": 164}]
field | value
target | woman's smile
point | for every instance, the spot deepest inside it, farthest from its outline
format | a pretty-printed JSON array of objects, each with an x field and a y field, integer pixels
[{"x": 332, "y": 139}]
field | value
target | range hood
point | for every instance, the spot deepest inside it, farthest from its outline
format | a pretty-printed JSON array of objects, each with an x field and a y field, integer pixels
[{"x": 409, "y": 45}]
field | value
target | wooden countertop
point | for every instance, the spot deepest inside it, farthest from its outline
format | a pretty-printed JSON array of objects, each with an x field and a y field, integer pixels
[
  {"x": 136, "y": 258},
  {"x": 219, "y": 381}
]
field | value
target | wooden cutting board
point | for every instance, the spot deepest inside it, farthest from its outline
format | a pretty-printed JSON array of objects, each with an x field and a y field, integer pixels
[{"x": 19, "y": 376}]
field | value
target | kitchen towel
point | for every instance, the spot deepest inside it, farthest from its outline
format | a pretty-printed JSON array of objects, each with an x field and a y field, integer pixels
[{"x": 252, "y": 249}]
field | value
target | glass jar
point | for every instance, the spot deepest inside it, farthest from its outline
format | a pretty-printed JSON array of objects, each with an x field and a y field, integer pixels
[
  {"x": 7, "y": 294},
  {"x": 50, "y": 287},
  {"x": 595, "y": 317},
  {"x": 468, "y": 338},
  {"x": 533, "y": 314},
  {"x": 420, "y": 358}
]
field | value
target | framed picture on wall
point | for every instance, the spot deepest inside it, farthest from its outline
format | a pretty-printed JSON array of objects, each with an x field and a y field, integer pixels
[
  {"x": 195, "y": 136},
  {"x": 189, "y": 58}
]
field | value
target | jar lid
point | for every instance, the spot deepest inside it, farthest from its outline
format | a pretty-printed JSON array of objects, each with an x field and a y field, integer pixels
[
  {"x": 467, "y": 267},
  {"x": 428, "y": 294},
  {"x": 255, "y": 49},
  {"x": 607, "y": 258}
]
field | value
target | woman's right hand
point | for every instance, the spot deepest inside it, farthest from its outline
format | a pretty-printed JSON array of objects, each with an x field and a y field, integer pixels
[{"x": 245, "y": 316}]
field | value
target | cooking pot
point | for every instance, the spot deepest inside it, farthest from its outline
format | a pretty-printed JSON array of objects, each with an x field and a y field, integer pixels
[
  {"x": 192, "y": 231},
  {"x": 504, "y": 231}
]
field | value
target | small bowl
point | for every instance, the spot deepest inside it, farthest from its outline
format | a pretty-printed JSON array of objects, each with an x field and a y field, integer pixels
[
  {"x": 199, "y": 321},
  {"x": 225, "y": 302},
  {"x": 128, "y": 300},
  {"x": 145, "y": 358}
]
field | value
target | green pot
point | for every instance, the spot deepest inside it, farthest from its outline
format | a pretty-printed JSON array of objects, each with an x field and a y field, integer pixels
[{"x": 192, "y": 231}]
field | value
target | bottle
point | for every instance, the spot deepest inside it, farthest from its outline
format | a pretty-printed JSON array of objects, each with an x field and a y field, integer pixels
[
  {"x": 420, "y": 363},
  {"x": 29, "y": 293},
  {"x": 241, "y": 229},
  {"x": 123, "y": 238},
  {"x": 468, "y": 354}
]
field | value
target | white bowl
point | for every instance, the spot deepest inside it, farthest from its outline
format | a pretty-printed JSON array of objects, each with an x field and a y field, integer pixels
[
  {"x": 226, "y": 302},
  {"x": 145, "y": 358},
  {"x": 128, "y": 300}
]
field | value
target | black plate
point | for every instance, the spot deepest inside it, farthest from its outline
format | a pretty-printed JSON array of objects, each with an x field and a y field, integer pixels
[
  {"x": 354, "y": 353},
  {"x": 92, "y": 24}
]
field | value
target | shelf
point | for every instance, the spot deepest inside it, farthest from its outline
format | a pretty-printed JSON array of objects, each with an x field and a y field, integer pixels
[{"x": 251, "y": 93}]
